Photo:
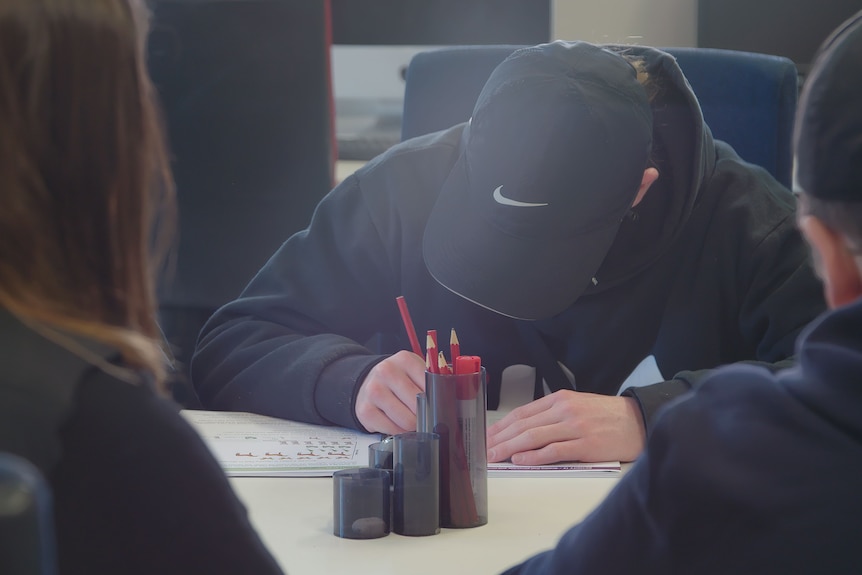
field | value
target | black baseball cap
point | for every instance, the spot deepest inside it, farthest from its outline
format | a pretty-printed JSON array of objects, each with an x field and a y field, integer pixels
[
  {"x": 550, "y": 162},
  {"x": 828, "y": 136}
]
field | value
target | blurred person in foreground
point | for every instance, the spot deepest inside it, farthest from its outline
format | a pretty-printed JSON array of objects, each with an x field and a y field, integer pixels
[
  {"x": 83, "y": 176},
  {"x": 758, "y": 472}
]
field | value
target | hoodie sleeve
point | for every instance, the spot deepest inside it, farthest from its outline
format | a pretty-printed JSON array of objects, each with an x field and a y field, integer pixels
[
  {"x": 274, "y": 350},
  {"x": 651, "y": 399},
  {"x": 627, "y": 532},
  {"x": 681, "y": 501},
  {"x": 771, "y": 284}
]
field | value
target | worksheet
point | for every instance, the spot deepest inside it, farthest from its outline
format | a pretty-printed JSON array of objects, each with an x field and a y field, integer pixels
[{"x": 250, "y": 445}]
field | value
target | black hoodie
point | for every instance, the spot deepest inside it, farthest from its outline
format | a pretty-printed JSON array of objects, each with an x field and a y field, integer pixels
[
  {"x": 754, "y": 472},
  {"x": 708, "y": 269}
]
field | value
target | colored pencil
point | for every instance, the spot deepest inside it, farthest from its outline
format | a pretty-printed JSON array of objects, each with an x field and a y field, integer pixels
[
  {"x": 408, "y": 325},
  {"x": 432, "y": 333},
  {"x": 431, "y": 347},
  {"x": 454, "y": 346},
  {"x": 428, "y": 363},
  {"x": 442, "y": 365}
]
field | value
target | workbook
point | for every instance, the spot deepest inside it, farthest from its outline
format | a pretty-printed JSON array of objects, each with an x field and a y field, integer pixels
[
  {"x": 565, "y": 469},
  {"x": 251, "y": 445}
]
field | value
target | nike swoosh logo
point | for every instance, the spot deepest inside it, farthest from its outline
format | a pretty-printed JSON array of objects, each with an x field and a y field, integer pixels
[{"x": 501, "y": 199}]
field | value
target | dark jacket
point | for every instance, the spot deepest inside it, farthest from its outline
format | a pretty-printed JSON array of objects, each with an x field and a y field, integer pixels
[
  {"x": 134, "y": 488},
  {"x": 754, "y": 472},
  {"x": 708, "y": 269}
]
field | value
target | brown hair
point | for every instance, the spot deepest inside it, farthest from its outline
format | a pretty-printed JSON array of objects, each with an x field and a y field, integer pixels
[
  {"x": 650, "y": 84},
  {"x": 83, "y": 173},
  {"x": 652, "y": 88}
]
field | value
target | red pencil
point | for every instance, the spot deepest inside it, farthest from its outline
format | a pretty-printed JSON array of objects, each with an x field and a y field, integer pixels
[
  {"x": 468, "y": 364},
  {"x": 468, "y": 387},
  {"x": 431, "y": 347},
  {"x": 442, "y": 366},
  {"x": 454, "y": 346},
  {"x": 408, "y": 325},
  {"x": 428, "y": 363},
  {"x": 432, "y": 333}
]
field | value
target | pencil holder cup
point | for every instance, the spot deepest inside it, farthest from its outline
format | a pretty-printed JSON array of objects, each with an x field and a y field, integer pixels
[
  {"x": 361, "y": 503},
  {"x": 380, "y": 456},
  {"x": 416, "y": 491},
  {"x": 456, "y": 411}
]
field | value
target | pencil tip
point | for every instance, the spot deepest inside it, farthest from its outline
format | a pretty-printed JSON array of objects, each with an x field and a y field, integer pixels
[{"x": 441, "y": 361}]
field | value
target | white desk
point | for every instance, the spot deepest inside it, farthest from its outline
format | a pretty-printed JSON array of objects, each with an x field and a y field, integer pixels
[
  {"x": 294, "y": 518},
  {"x": 344, "y": 168}
]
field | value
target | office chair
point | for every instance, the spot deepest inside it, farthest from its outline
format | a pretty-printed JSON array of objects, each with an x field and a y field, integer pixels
[
  {"x": 26, "y": 523},
  {"x": 748, "y": 100},
  {"x": 246, "y": 92}
]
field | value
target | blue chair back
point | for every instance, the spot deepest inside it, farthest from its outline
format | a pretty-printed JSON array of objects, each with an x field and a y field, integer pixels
[
  {"x": 748, "y": 100},
  {"x": 26, "y": 521}
]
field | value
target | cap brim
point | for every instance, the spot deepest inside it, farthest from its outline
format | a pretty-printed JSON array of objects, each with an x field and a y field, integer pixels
[{"x": 523, "y": 278}]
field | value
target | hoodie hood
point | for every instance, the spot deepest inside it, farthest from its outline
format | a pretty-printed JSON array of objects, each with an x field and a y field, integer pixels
[{"x": 683, "y": 153}]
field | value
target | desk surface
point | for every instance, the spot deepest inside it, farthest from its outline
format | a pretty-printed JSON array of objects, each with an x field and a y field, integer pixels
[
  {"x": 525, "y": 515},
  {"x": 344, "y": 168}
]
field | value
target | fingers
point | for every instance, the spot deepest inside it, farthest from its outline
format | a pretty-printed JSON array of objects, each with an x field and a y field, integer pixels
[
  {"x": 404, "y": 363},
  {"x": 563, "y": 426},
  {"x": 524, "y": 422},
  {"x": 386, "y": 401},
  {"x": 569, "y": 426},
  {"x": 396, "y": 421},
  {"x": 571, "y": 450},
  {"x": 523, "y": 412},
  {"x": 537, "y": 444}
]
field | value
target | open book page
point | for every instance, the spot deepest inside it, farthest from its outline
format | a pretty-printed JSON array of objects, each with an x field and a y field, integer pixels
[
  {"x": 562, "y": 469},
  {"x": 250, "y": 445}
]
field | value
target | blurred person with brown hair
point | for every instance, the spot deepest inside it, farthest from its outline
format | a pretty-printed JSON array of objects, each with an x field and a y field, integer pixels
[{"x": 83, "y": 178}]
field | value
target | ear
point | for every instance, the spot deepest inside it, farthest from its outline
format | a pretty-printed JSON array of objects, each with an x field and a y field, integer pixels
[
  {"x": 835, "y": 263},
  {"x": 650, "y": 176}
]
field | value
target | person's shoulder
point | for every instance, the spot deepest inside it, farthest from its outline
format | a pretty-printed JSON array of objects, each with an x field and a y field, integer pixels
[
  {"x": 136, "y": 425},
  {"x": 725, "y": 411},
  {"x": 407, "y": 177},
  {"x": 714, "y": 438},
  {"x": 729, "y": 425},
  {"x": 738, "y": 181},
  {"x": 142, "y": 466},
  {"x": 435, "y": 151},
  {"x": 30, "y": 359},
  {"x": 735, "y": 383},
  {"x": 748, "y": 202},
  {"x": 126, "y": 408},
  {"x": 38, "y": 381}
]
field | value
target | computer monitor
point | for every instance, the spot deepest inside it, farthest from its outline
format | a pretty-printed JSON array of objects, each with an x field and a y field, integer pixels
[
  {"x": 440, "y": 22},
  {"x": 374, "y": 40},
  {"x": 790, "y": 28}
]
